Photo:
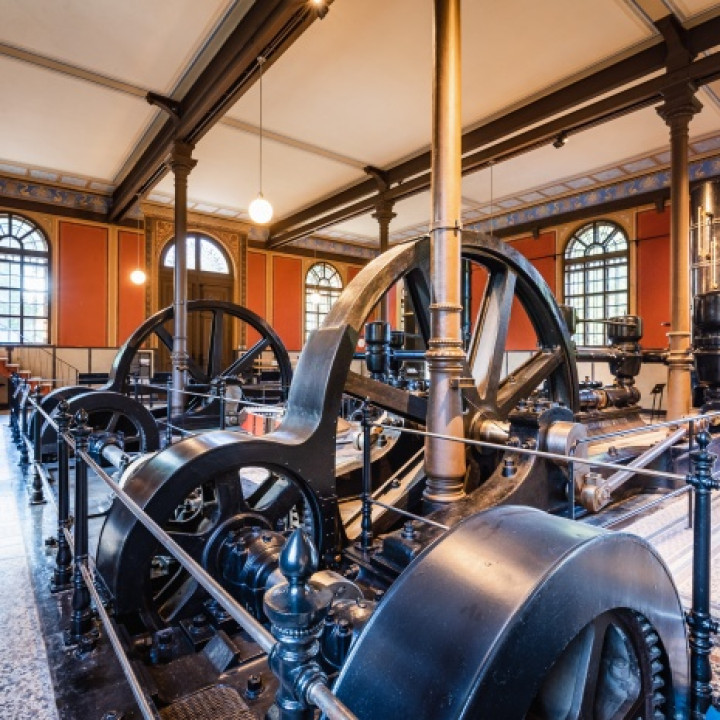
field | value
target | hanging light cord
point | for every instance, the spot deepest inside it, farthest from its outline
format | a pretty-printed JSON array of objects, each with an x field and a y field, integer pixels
[
  {"x": 492, "y": 219},
  {"x": 261, "y": 62}
]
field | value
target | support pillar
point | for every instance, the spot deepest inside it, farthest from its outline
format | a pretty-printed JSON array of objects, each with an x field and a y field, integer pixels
[
  {"x": 678, "y": 109},
  {"x": 445, "y": 459},
  {"x": 181, "y": 163},
  {"x": 384, "y": 215}
]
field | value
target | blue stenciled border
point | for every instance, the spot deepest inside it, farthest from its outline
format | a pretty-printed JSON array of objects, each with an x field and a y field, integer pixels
[
  {"x": 36, "y": 192},
  {"x": 703, "y": 169}
]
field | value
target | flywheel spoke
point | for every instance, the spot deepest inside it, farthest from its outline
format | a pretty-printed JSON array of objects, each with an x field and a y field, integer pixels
[
  {"x": 245, "y": 361},
  {"x": 193, "y": 368},
  {"x": 526, "y": 378},
  {"x": 215, "y": 355},
  {"x": 177, "y": 594},
  {"x": 191, "y": 543},
  {"x": 487, "y": 346},
  {"x": 112, "y": 423}
]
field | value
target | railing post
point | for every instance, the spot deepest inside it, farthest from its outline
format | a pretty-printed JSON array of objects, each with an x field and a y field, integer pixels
[
  {"x": 366, "y": 535},
  {"x": 168, "y": 425},
  {"x": 297, "y": 612},
  {"x": 24, "y": 455},
  {"x": 222, "y": 390},
  {"x": 13, "y": 386},
  {"x": 700, "y": 623},
  {"x": 63, "y": 559},
  {"x": 37, "y": 497},
  {"x": 81, "y": 621}
]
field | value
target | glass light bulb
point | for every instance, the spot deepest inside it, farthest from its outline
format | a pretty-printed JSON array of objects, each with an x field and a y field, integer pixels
[
  {"x": 261, "y": 211},
  {"x": 138, "y": 277}
]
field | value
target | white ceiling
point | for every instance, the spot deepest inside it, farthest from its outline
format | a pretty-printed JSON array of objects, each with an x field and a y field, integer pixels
[{"x": 354, "y": 90}]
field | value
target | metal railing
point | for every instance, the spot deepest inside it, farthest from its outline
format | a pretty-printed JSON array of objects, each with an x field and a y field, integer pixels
[
  {"x": 315, "y": 692},
  {"x": 700, "y": 482}
]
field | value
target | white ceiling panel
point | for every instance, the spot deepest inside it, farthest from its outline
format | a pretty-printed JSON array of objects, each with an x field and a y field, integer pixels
[
  {"x": 140, "y": 42},
  {"x": 359, "y": 82},
  {"x": 607, "y": 153},
  {"x": 515, "y": 49},
  {"x": 611, "y": 144},
  {"x": 690, "y": 8},
  {"x": 228, "y": 170},
  {"x": 410, "y": 212},
  {"x": 66, "y": 124}
]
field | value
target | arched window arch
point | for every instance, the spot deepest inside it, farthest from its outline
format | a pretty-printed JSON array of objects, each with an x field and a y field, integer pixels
[
  {"x": 203, "y": 254},
  {"x": 323, "y": 286},
  {"x": 24, "y": 281},
  {"x": 596, "y": 277}
]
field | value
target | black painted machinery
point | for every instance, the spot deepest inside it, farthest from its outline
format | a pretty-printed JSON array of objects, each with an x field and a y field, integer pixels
[{"x": 485, "y": 607}]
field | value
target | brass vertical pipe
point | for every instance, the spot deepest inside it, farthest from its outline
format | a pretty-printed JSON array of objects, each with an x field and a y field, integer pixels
[
  {"x": 445, "y": 459},
  {"x": 181, "y": 163},
  {"x": 677, "y": 111}
]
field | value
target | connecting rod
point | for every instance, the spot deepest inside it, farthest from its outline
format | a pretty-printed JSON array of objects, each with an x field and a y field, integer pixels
[{"x": 444, "y": 460}]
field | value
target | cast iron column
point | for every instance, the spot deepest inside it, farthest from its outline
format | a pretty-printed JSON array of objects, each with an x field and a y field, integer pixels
[
  {"x": 384, "y": 215},
  {"x": 445, "y": 459},
  {"x": 678, "y": 109},
  {"x": 181, "y": 163}
]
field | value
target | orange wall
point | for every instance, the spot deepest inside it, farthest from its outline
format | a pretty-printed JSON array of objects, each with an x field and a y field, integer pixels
[
  {"x": 131, "y": 297},
  {"x": 255, "y": 290},
  {"x": 653, "y": 275},
  {"x": 287, "y": 300},
  {"x": 541, "y": 253},
  {"x": 82, "y": 295}
]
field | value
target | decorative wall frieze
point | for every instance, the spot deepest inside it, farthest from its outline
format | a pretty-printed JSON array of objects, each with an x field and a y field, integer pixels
[
  {"x": 52, "y": 195},
  {"x": 700, "y": 170}
]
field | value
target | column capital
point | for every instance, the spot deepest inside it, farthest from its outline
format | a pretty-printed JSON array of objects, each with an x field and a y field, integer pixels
[
  {"x": 180, "y": 159},
  {"x": 384, "y": 210},
  {"x": 680, "y": 103}
]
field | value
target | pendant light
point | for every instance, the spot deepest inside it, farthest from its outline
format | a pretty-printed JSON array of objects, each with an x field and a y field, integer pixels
[
  {"x": 261, "y": 211},
  {"x": 138, "y": 276}
]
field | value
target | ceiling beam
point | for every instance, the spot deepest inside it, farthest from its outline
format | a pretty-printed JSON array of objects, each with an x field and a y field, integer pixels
[
  {"x": 413, "y": 176},
  {"x": 268, "y": 29}
]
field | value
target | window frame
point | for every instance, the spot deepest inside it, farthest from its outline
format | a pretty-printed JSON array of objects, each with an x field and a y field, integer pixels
[
  {"x": 333, "y": 290},
  {"x": 594, "y": 334},
  {"x": 46, "y": 256},
  {"x": 197, "y": 235}
]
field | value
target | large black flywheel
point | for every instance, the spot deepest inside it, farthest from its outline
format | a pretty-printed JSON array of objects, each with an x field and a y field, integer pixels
[
  {"x": 517, "y": 614},
  {"x": 200, "y": 498},
  {"x": 212, "y": 364},
  {"x": 511, "y": 283},
  {"x": 303, "y": 446},
  {"x": 108, "y": 412}
]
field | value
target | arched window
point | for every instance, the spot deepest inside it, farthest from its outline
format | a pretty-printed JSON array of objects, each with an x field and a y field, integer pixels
[
  {"x": 596, "y": 277},
  {"x": 203, "y": 254},
  {"x": 24, "y": 287},
  {"x": 323, "y": 286}
]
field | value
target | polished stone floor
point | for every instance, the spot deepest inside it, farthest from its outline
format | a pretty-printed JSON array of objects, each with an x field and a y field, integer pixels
[{"x": 26, "y": 688}]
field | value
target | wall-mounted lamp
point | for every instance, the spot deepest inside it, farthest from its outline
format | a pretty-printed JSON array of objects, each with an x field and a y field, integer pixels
[
  {"x": 560, "y": 140},
  {"x": 261, "y": 211},
  {"x": 138, "y": 276}
]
